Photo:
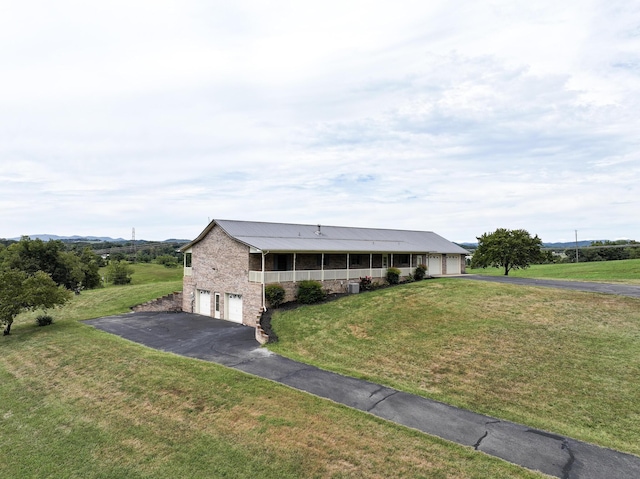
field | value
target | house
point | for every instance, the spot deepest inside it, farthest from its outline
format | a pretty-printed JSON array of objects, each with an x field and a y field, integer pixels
[{"x": 228, "y": 265}]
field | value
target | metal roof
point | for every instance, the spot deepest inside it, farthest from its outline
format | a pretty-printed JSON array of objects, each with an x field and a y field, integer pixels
[{"x": 286, "y": 237}]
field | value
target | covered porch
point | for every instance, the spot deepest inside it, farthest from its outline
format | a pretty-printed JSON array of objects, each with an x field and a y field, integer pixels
[{"x": 284, "y": 267}]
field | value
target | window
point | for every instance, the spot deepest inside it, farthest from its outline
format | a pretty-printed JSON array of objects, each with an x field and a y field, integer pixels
[{"x": 187, "y": 260}]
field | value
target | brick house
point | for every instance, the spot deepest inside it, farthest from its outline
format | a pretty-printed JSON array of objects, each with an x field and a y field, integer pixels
[{"x": 228, "y": 265}]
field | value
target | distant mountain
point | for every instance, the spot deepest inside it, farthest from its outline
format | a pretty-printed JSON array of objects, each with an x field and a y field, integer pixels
[
  {"x": 562, "y": 245},
  {"x": 569, "y": 244},
  {"x": 48, "y": 237}
]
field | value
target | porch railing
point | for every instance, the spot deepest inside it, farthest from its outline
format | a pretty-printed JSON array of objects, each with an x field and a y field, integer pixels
[{"x": 320, "y": 275}]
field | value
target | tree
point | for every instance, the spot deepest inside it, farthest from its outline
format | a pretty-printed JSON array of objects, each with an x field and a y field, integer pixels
[
  {"x": 66, "y": 268},
  {"x": 20, "y": 292},
  {"x": 91, "y": 268},
  {"x": 508, "y": 249},
  {"x": 119, "y": 272}
]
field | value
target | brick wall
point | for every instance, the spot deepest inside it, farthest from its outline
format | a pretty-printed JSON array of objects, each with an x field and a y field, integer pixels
[{"x": 220, "y": 264}]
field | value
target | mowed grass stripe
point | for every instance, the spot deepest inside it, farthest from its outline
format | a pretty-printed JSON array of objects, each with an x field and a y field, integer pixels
[
  {"x": 76, "y": 402},
  {"x": 563, "y": 361}
]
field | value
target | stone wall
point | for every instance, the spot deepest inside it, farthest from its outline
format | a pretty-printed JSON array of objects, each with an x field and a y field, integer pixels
[{"x": 168, "y": 303}]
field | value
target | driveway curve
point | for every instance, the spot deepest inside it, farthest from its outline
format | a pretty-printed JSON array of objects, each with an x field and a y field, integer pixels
[
  {"x": 629, "y": 290},
  {"x": 234, "y": 345}
]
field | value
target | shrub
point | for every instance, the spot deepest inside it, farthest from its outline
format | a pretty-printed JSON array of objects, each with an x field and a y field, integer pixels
[
  {"x": 167, "y": 260},
  {"x": 393, "y": 275},
  {"x": 119, "y": 272},
  {"x": 274, "y": 294},
  {"x": 420, "y": 273},
  {"x": 310, "y": 292},
  {"x": 44, "y": 320},
  {"x": 366, "y": 283}
]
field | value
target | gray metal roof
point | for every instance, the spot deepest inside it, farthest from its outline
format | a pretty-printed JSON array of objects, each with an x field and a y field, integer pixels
[{"x": 285, "y": 237}]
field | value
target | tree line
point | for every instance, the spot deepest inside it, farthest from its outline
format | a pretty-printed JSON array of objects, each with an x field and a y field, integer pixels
[
  {"x": 36, "y": 274},
  {"x": 603, "y": 251}
]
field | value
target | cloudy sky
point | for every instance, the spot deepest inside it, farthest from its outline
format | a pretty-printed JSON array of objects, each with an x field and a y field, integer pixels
[{"x": 454, "y": 117}]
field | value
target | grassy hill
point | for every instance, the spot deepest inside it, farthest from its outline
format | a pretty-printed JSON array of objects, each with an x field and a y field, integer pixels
[
  {"x": 76, "y": 402},
  {"x": 622, "y": 271},
  {"x": 558, "y": 360}
]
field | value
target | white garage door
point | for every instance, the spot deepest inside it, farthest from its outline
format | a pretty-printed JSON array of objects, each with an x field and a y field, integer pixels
[
  {"x": 435, "y": 264},
  {"x": 234, "y": 305},
  {"x": 204, "y": 302},
  {"x": 453, "y": 264}
]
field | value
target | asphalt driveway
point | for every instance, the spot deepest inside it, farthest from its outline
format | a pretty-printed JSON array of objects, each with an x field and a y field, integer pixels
[
  {"x": 605, "y": 288},
  {"x": 234, "y": 345}
]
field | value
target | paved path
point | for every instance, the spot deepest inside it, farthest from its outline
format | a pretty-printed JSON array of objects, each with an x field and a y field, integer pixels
[
  {"x": 632, "y": 291},
  {"x": 234, "y": 346}
]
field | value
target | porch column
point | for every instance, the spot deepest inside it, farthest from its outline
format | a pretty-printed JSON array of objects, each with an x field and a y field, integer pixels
[
  {"x": 264, "y": 296},
  {"x": 371, "y": 264},
  {"x": 322, "y": 266},
  {"x": 294, "y": 266},
  {"x": 347, "y": 266}
]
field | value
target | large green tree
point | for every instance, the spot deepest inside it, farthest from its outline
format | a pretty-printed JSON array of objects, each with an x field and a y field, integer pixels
[
  {"x": 508, "y": 249},
  {"x": 66, "y": 268},
  {"x": 20, "y": 291}
]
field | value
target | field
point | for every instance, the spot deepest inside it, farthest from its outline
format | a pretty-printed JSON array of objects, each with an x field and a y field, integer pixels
[
  {"x": 563, "y": 361},
  {"x": 79, "y": 403},
  {"x": 623, "y": 271}
]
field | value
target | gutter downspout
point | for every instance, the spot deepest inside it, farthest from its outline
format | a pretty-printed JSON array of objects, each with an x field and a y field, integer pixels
[{"x": 264, "y": 294}]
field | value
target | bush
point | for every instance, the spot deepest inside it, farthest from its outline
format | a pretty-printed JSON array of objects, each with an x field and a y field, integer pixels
[
  {"x": 274, "y": 294},
  {"x": 310, "y": 292},
  {"x": 420, "y": 273},
  {"x": 366, "y": 283},
  {"x": 44, "y": 320},
  {"x": 119, "y": 272},
  {"x": 167, "y": 260},
  {"x": 393, "y": 275}
]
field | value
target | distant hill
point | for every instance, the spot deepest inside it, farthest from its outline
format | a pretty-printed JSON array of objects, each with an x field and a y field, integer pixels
[
  {"x": 48, "y": 237},
  {"x": 569, "y": 244},
  {"x": 563, "y": 245}
]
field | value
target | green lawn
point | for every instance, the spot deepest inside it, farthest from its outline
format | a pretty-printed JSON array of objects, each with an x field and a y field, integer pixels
[
  {"x": 76, "y": 402},
  {"x": 558, "y": 360},
  {"x": 623, "y": 271}
]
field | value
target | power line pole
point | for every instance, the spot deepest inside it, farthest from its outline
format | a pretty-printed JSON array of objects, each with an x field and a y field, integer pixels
[
  {"x": 133, "y": 243},
  {"x": 576, "y": 246}
]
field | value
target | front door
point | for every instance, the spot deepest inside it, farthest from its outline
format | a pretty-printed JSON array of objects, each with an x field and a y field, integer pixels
[
  {"x": 216, "y": 309},
  {"x": 385, "y": 260}
]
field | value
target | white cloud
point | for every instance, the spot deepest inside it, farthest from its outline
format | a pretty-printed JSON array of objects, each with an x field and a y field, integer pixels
[{"x": 424, "y": 115}]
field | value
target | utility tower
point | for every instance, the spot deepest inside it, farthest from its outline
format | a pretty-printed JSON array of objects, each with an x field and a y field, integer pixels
[{"x": 133, "y": 243}]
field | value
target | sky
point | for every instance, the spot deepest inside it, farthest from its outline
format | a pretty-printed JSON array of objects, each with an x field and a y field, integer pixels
[{"x": 453, "y": 117}]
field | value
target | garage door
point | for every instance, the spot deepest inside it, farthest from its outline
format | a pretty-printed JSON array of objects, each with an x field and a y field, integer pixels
[
  {"x": 435, "y": 264},
  {"x": 234, "y": 305},
  {"x": 453, "y": 264},
  {"x": 204, "y": 302}
]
